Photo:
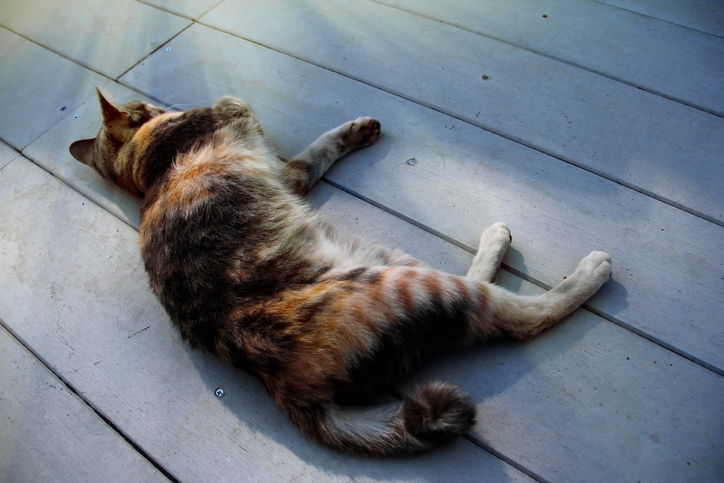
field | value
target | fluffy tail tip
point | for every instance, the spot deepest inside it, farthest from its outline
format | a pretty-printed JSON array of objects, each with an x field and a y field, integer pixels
[{"x": 438, "y": 411}]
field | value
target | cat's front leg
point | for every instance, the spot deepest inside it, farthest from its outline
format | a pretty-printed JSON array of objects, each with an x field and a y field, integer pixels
[
  {"x": 306, "y": 168},
  {"x": 493, "y": 244}
]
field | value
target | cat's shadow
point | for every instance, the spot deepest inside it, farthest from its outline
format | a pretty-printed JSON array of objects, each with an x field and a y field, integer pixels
[
  {"x": 256, "y": 419},
  {"x": 490, "y": 373}
]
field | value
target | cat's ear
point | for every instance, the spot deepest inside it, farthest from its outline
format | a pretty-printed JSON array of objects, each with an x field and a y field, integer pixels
[
  {"x": 116, "y": 122},
  {"x": 83, "y": 150}
]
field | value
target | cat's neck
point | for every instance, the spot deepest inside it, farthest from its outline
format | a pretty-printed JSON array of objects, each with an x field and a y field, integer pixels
[{"x": 157, "y": 144}]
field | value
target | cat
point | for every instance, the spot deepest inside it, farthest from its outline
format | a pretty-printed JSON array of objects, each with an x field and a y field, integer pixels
[{"x": 249, "y": 273}]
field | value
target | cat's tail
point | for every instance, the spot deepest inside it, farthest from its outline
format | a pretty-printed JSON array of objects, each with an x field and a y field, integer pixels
[{"x": 430, "y": 416}]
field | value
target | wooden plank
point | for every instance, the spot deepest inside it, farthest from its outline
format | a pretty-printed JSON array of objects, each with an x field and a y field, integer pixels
[
  {"x": 72, "y": 286},
  {"x": 636, "y": 138},
  {"x": 703, "y": 15},
  {"x": 39, "y": 89},
  {"x": 668, "y": 269},
  {"x": 543, "y": 404},
  {"x": 7, "y": 154},
  {"x": 590, "y": 402},
  {"x": 587, "y": 401},
  {"x": 186, "y": 8},
  {"x": 664, "y": 58},
  {"x": 50, "y": 434},
  {"x": 109, "y": 40}
]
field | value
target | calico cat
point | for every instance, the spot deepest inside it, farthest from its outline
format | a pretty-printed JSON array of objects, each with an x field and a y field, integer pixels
[{"x": 250, "y": 274}]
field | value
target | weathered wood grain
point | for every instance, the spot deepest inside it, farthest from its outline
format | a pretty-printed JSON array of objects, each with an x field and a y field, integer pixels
[
  {"x": 703, "y": 15},
  {"x": 664, "y": 58},
  {"x": 49, "y": 434},
  {"x": 668, "y": 269},
  {"x": 108, "y": 39},
  {"x": 39, "y": 88},
  {"x": 72, "y": 286},
  {"x": 639, "y": 139}
]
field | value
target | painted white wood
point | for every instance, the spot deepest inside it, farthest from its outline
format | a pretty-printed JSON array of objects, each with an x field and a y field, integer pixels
[
  {"x": 662, "y": 57},
  {"x": 566, "y": 407},
  {"x": 39, "y": 88},
  {"x": 72, "y": 286},
  {"x": 590, "y": 402},
  {"x": 634, "y": 137},
  {"x": 7, "y": 154},
  {"x": 49, "y": 434},
  {"x": 668, "y": 277},
  {"x": 550, "y": 397},
  {"x": 587, "y": 401},
  {"x": 187, "y": 8},
  {"x": 109, "y": 39},
  {"x": 704, "y": 15}
]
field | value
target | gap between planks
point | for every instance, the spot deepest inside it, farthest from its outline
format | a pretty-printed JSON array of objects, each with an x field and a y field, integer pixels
[
  {"x": 525, "y": 276},
  {"x": 96, "y": 411},
  {"x": 492, "y": 130},
  {"x": 567, "y": 61}
]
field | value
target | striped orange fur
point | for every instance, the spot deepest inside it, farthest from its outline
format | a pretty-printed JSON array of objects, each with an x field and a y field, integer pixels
[{"x": 250, "y": 274}]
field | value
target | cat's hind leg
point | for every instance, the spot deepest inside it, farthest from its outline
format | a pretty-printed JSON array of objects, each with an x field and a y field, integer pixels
[
  {"x": 493, "y": 244},
  {"x": 525, "y": 317},
  {"x": 306, "y": 168},
  {"x": 368, "y": 326}
]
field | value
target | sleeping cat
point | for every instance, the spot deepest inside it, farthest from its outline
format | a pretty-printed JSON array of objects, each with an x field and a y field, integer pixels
[{"x": 250, "y": 274}]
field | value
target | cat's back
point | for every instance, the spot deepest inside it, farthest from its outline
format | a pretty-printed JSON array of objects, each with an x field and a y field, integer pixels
[{"x": 208, "y": 225}]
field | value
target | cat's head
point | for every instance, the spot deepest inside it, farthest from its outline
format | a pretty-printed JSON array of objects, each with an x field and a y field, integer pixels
[{"x": 111, "y": 153}]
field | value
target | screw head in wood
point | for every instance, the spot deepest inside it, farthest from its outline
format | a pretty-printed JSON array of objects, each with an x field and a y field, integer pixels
[{"x": 219, "y": 392}]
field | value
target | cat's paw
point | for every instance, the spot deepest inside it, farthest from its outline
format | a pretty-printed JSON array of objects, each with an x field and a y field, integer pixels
[
  {"x": 496, "y": 238},
  {"x": 595, "y": 268},
  {"x": 361, "y": 133},
  {"x": 494, "y": 242}
]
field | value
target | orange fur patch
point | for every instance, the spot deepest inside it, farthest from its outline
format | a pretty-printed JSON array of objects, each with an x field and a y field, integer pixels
[{"x": 133, "y": 153}]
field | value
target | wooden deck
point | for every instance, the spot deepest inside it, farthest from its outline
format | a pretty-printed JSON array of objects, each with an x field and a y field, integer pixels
[{"x": 583, "y": 124}]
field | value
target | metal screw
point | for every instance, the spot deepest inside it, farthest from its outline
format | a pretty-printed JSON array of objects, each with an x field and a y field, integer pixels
[
  {"x": 168, "y": 49},
  {"x": 412, "y": 161},
  {"x": 219, "y": 392},
  {"x": 62, "y": 108}
]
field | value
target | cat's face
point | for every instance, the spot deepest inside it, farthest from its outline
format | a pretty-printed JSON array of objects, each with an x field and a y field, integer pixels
[{"x": 111, "y": 152}]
